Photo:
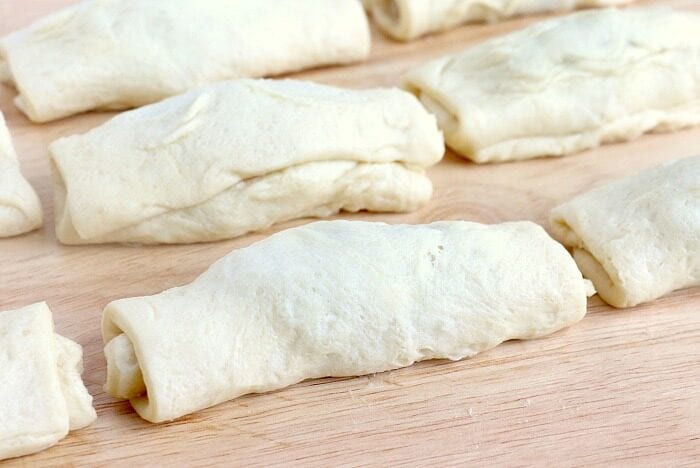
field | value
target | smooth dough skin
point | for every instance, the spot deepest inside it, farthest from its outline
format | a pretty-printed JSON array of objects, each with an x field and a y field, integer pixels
[
  {"x": 42, "y": 396},
  {"x": 566, "y": 85},
  {"x": 118, "y": 54},
  {"x": 406, "y": 20},
  {"x": 238, "y": 156},
  {"x": 20, "y": 209},
  {"x": 337, "y": 298},
  {"x": 637, "y": 238}
]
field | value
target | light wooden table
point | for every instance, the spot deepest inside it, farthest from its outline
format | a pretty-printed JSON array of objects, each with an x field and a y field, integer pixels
[{"x": 620, "y": 388}]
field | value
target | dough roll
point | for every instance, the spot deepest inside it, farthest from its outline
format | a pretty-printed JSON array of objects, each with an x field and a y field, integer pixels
[
  {"x": 406, "y": 20},
  {"x": 20, "y": 209},
  {"x": 117, "y": 54},
  {"x": 238, "y": 156},
  {"x": 567, "y": 84},
  {"x": 337, "y": 298},
  {"x": 42, "y": 396},
  {"x": 637, "y": 238}
]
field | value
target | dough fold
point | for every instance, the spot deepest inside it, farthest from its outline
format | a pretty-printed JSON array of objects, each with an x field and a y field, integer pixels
[
  {"x": 117, "y": 54},
  {"x": 20, "y": 209},
  {"x": 239, "y": 156},
  {"x": 42, "y": 396},
  {"x": 337, "y": 298},
  {"x": 637, "y": 238},
  {"x": 566, "y": 85},
  {"x": 406, "y": 20}
]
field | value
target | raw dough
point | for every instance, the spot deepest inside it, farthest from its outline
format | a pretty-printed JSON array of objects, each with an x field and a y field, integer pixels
[
  {"x": 409, "y": 19},
  {"x": 637, "y": 238},
  {"x": 117, "y": 54},
  {"x": 42, "y": 396},
  {"x": 568, "y": 84},
  {"x": 337, "y": 298},
  {"x": 238, "y": 156},
  {"x": 20, "y": 209}
]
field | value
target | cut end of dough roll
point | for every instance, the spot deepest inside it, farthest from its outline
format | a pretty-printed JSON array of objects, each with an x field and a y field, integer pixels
[
  {"x": 69, "y": 358},
  {"x": 124, "y": 377},
  {"x": 390, "y": 17},
  {"x": 448, "y": 122},
  {"x": 604, "y": 284},
  {"x": 389, "y": 10},
  {"x": 607, "y": 289}
]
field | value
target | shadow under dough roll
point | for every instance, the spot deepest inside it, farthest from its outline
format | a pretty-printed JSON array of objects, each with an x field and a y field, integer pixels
[{"x": 338, "y": 299}]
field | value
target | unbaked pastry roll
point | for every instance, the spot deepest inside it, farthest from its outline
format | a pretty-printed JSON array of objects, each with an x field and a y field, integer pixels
[
  {"x": 42, "y": 396},
  {"x": 117, "y": 54},
  {"x": 637, "y": 238},
  {"x": 20, "y": 209},
  {"x": 337, "y": 298},
  {"x": 566, "y": 85},
  {"x": 405, "y": 20},
  {"x": 238, "y": 156}
]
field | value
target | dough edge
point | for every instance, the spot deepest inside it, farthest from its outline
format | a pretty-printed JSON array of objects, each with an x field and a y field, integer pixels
[
  {"x": 68, "y": 233},
  {"x": 603, "y": 276},
  {"x": 117, "y": 327},
  {"x": 23, "y": 212},
  {"x": 68, "y": 361}
]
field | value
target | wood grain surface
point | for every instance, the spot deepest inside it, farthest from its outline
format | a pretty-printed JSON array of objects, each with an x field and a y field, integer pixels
[{"x": 620, "y": 388}]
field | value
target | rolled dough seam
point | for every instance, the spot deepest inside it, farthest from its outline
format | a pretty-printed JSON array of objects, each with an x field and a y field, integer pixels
[{"x": 337, "y": 299}]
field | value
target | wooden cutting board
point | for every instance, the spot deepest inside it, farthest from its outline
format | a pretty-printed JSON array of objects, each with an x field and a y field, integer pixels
[{"x": 621, "y": 387}]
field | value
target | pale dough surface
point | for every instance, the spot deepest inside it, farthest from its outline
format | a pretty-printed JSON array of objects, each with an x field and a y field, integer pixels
[
  {"x": 637, "y": 238},
  {"x": 238, "y": 156},
  {"x": 116, "y": 54},
  {"x": 337, "y": 298},
  {"x": 42, "y": 395},
  {"x": 567, "y": 84},
  {"x": 406, "y": 20},
  {"x": 20, "y": 209}
]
